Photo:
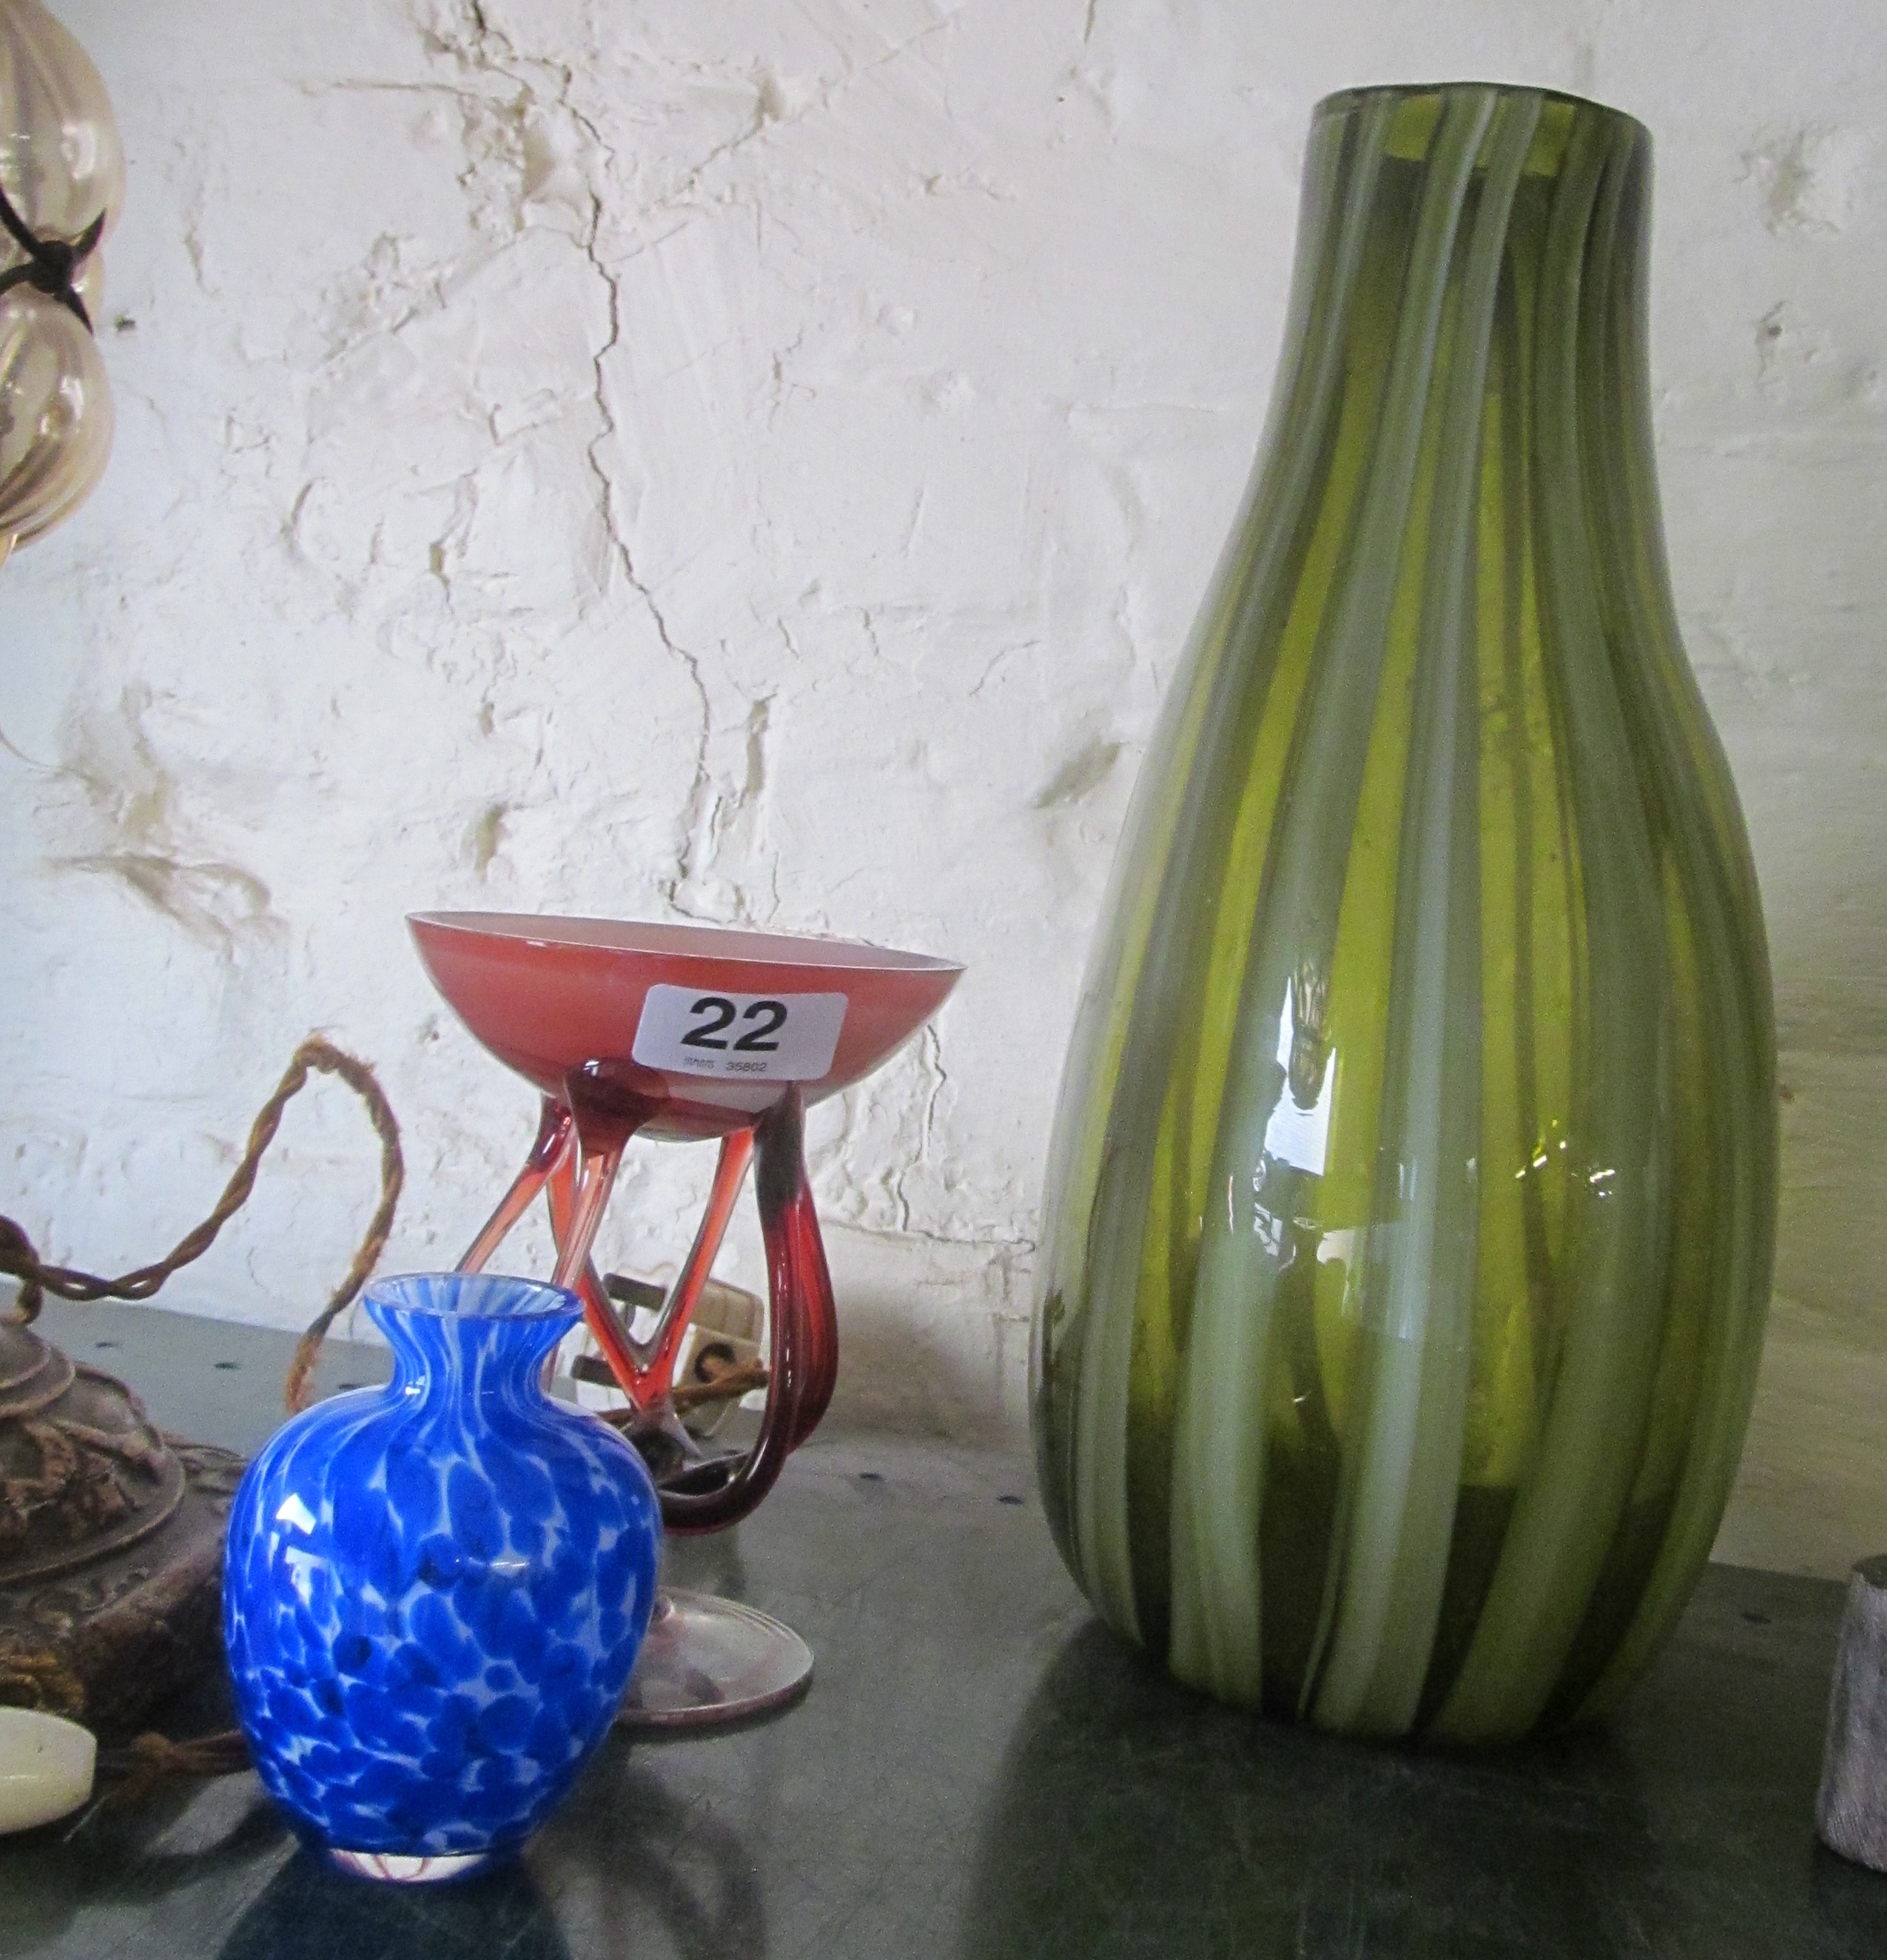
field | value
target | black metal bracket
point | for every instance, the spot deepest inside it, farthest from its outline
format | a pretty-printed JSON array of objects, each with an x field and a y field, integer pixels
[{"x": 51, "y": 263}]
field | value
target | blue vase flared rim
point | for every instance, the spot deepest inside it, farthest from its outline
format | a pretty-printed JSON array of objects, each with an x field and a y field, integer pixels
[
  {"x": 473, "y": 1296},
  {"x": 1341, "y": 100}
]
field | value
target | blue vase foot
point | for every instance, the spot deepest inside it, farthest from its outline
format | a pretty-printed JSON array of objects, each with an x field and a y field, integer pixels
[{"x": 411, "y": 1869}]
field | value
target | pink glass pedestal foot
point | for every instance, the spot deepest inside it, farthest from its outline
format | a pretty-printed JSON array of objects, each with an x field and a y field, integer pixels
[{"x": 707, "y": 1661}]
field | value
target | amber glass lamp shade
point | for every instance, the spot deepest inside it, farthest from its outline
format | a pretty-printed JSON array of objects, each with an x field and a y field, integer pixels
[{"x": 62, "y": 174}]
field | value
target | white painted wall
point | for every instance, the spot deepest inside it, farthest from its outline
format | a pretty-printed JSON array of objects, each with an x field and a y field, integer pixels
[{"x": 712, "y": 459}]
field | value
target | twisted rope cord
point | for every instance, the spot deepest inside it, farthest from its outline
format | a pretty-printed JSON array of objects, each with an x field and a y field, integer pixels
[
  {"x": 18, "y": 1257},
  {"x": 151, "y": 1759}
]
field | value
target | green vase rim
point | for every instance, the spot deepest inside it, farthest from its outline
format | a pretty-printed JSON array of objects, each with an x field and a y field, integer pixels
[{"x": 1344, "y": 100}]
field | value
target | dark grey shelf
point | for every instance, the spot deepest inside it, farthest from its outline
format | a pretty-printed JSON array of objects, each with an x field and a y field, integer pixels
[{"x": 981, "y": 1770}]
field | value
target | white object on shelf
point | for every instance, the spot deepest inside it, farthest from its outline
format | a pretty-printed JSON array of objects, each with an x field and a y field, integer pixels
[
  {"x": 729, "y": 1323},
  {"x": 1851, "y": 1810},
  {"x": 45, "y": 1768}
]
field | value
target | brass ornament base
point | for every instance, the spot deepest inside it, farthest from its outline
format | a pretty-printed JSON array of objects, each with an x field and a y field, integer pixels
[{"x": 111, "y": 1544}]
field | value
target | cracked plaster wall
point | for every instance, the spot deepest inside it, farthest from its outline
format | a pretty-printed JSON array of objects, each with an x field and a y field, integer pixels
[{"x": 720, "y": 460}]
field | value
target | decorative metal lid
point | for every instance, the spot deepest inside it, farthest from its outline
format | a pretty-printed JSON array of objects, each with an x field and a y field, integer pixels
[{"x": 84, "y": 1471}]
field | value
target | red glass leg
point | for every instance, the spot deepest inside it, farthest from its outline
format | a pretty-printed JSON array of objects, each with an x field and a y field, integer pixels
[
  {"x": 649, "y": 1363},
  {"x": 551, "y": 1148},
  {"x": 803, "y": 1360},
  {"x": 606, "y": 1113},
  {"x": 561, "y": 1191},
  {"x": 804, "y": 1264}
]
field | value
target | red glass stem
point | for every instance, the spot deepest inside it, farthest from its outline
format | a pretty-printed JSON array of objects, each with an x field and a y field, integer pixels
[
  {"x": 550, "y": 1164},
  {"x": 803, "y": 1361},
  {"x": 796, "y": 1268},
  {"x": 550, "y": 1150},
  {"x": 607, "y": 1112},
  {"x": 645, "y": 1370},
  {"x": 561, "y": 1193}
]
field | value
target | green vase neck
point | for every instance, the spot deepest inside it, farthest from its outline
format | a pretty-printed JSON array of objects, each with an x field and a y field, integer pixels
[{"x": 1471, "y": 270}]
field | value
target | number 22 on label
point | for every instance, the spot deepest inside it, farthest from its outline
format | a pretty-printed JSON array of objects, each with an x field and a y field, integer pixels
[
  {"x": 739, "y": 1037},
  {"x": 720, "y": 1013}
]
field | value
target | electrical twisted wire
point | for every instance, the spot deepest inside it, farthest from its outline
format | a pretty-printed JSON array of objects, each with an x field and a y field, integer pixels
[{"x": 315, "y": 1054}]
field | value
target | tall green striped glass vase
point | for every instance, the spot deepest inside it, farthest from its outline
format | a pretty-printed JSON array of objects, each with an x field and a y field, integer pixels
[{"x": 1411, "y": 1212}]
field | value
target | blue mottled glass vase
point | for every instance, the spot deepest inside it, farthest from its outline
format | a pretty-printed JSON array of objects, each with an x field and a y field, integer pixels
[{"x": 434, "y": 1592}]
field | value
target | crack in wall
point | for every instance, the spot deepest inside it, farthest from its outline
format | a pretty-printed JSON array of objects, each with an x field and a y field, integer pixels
[
  {"x": 490, "y": 50},
  {"x": 711, "y": 812},
  {"x": 722, "y": 812},
  {"x": 781, "y": 387},
  {"x": 981, "y": 1238},
  {"x": 930, "y": 1051}
]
